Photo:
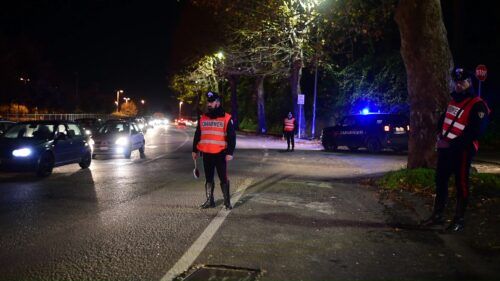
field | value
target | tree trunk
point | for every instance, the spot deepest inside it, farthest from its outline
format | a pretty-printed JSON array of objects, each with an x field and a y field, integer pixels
[
  {"x": 233, "y": 82},
  {"x": 428, "y": 62},
  {"x": 261, "y": 112},
  {"x": 298, "y": 111}
]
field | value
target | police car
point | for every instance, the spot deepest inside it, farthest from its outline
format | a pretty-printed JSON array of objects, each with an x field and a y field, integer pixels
[{"x": 374, "y": 131}]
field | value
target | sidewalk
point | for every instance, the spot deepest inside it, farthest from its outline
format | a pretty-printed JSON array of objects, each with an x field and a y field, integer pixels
[{"x": 252, "y": 141}]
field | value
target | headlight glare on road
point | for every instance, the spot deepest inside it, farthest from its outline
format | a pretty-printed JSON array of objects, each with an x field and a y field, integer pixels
[
  {"x": 22, "y": 152},
  {"x": 123, "y": 141}
]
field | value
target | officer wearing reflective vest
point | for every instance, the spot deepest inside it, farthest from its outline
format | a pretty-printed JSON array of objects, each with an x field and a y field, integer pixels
[
  {"x": 459, "y": 128},
  {"x": 215, "y": 139},
  {"x": 289, "y": 129}
]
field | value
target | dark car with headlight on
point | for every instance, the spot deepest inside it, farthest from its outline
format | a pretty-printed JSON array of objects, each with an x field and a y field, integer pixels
[
  {"x": 374, "y": 131},
  {"x": 118, "y": 137},
  {"x": 42, "y": 145}
]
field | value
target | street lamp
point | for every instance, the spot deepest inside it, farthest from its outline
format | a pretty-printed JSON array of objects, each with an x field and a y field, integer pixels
[
  {"x": 126, "y": 99},
  {"x": 117, "y": 102},
  {"x": 180, "y": 108},
  {"x": 143, "y": 102}
]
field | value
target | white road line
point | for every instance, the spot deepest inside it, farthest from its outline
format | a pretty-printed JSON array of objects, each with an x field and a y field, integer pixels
[{"x": 199, "y": 245}]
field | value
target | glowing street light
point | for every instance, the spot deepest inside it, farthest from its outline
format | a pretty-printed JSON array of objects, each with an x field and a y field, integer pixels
[
  {"x": 180, "y": 108},
  {"x": 126, "y": 99},
  {"x": 23, "y": 79},
  {"x": 143, "y": 101},
  {"x": 117, "y": 102},
  {"x": 220, "y": 55}
]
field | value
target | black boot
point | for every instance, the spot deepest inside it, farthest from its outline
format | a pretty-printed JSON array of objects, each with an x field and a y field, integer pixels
[
  {"x": 226, "y": 194},
  {"x": 209, "y": 191}
]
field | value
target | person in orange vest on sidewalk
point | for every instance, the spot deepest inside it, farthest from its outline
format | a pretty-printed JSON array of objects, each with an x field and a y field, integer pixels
[
  {"x": 215, "y": 139},
  {"x": 289, "y": 130},
  {"x": 459, "y": 128}
]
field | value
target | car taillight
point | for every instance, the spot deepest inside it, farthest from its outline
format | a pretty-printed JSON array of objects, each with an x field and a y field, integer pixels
[{"x": 387, "y": 128}]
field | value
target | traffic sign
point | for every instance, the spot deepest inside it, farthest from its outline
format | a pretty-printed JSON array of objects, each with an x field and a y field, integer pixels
[
  {"x": 300, "y": 99},
  {"x": 481, "y": 72}
]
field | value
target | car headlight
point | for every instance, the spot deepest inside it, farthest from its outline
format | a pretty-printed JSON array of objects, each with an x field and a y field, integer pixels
[
  {"x": 121, "y": 141},
  {"x": 88, "y": 132},
  {"x": 22, "y": 152}
]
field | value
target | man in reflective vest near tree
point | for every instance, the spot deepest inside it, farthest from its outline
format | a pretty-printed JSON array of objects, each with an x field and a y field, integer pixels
[
  {"x": 215, "y": 138},
  {"x": 289, "y": 129},
  {"x": 459, "y": 128}
]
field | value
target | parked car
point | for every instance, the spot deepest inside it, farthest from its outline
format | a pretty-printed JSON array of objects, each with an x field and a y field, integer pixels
[
  {"x": 373, "y": 131},
  {"x": 89, "y": 125},
  {"x": 42, "y": 145},
  {"x": 118, "y": 137},
  {"x": 4, "y": 125}
]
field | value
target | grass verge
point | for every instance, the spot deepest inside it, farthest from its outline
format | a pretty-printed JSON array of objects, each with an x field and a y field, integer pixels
[{"x": 421, "y": 180}]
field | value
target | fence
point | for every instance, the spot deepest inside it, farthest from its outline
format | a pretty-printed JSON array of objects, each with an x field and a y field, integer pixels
[{"x": 55, "y": 116}]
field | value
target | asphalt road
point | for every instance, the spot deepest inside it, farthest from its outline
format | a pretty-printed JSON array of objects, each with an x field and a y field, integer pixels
[{"x": 297, "y": 216}]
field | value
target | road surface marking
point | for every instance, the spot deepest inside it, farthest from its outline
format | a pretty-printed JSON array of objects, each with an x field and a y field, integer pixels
[{"x": 199, "y": 245}]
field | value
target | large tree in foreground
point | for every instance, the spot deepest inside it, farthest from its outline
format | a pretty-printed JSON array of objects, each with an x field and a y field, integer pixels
[{"x": 428, "y": 62}]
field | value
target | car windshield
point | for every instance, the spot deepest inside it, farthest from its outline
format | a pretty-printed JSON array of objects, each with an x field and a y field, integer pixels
[
  {"x": 114, "y": 128},
  {"x": 30, "y": 131}
]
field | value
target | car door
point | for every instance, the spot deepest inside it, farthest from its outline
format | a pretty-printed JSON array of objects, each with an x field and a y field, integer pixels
[
  {"x": 77, "y": 142},
  {"x": 347, "y": 133},
  {"x": 62, "y": 145},
  {"x": 136, "y": 136}
]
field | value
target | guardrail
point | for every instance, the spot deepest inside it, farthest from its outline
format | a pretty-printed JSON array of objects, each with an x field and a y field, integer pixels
[{"x": 54, "y": 116}]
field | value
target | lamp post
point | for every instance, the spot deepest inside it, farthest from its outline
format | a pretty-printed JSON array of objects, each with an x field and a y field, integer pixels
[
  {"x": 126, "y": 99},
  {"x": 118, "y": 100},
  {"x": 180, "y": 108}
]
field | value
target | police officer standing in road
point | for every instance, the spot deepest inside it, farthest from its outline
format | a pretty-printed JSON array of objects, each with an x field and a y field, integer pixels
[
  {"x": 460, "y": 126},
  {"x": 289, "y": 129},
  {"x": 215, "y": 138}
]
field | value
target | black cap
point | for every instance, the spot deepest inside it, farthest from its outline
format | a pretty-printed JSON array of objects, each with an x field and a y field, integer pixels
[
  {"x": 460, "y": 74},
  {"x": 212, "y": 96}
]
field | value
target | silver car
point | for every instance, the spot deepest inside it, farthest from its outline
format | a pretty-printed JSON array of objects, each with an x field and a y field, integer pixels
[{"x": 118, "y": 137}]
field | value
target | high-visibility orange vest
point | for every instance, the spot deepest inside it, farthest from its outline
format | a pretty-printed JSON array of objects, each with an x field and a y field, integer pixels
[
  {"x": 461, "y": 121},
  {"x": 213, "y": 134},
  {"x": 289, "y": 126}
]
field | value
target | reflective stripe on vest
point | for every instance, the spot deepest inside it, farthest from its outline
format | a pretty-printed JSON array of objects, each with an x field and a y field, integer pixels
[
  {"x": 461, "y": 121},
  {"x": 289, "y": 126},
  {"x": 213, "y": 134}
]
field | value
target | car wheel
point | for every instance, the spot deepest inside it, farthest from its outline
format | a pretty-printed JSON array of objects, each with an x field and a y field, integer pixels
[
  {"x": 353, "y": 148},
  {"x": 373, "y": 145},
  {"x": 330, "y": 146},
  {"x": 45, "y": 165},
  {"x": 86, "y": 160}
]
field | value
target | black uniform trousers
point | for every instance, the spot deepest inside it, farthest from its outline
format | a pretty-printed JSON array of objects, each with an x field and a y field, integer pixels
[
  {"x": 290, "y": 139},
  {"x": 211, "y": 162},
  {"x": 452, "y": 161}
]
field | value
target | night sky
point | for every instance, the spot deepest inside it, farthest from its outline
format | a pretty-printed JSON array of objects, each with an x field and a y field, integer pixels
[
  {"x": 136, "y": 45},
  {"x": 129, "y": 45}
]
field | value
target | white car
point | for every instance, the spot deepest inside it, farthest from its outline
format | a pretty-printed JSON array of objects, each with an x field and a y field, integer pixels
[{"x": 118, "y": 138}]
